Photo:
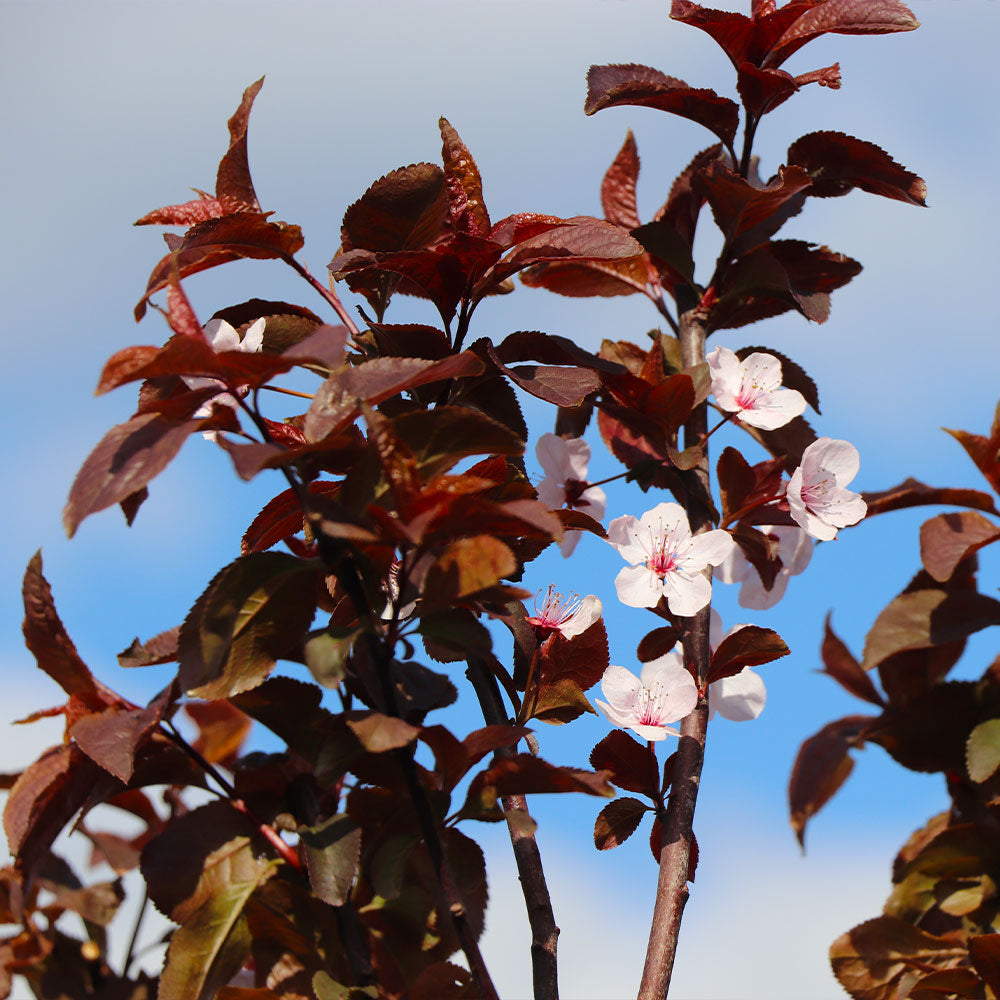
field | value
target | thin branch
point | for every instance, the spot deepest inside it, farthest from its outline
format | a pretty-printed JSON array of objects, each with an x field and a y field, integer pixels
[
  {"x": 537, "y": 901},
  {"x": 130, "y": 955},
  {"x": 675, "y": 851}
]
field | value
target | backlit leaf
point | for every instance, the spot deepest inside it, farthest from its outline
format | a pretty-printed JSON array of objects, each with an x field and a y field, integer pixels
[
  {"x": 982, "y": 752},
  {"x": 465, "y": 185},
  {"x": 748, "y": 647},
  {"x": 947, "y": 539},
  {"x": 332, "y": 850},
  {"x": 841, "y": 665},
  {"x": 913, "y": 493},
  {"x": 618, "y": 186},
  {"x": 467, "y": 566},
  {"x": 632, "y": 765},
  {"x": 377, "y": 732}
]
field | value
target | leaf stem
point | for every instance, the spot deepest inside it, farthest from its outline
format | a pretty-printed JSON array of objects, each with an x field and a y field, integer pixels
[
  {"x": 328, "y": 293},
  {"x": 288, "y": 392},
  {"x": 130, "y": 955}
]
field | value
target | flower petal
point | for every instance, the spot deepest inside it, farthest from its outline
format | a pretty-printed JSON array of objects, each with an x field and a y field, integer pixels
[
  {"x": 666, "y": 518},
  {"x": 222, "y": 336},
  {"x": 253, "y": 339},
  {"x": 550, "y": 491},
  {"x": 738, "y": 698},
  {"x": 552, "y": 455},
  {"x": 620, "y": 687},
  {"x": 838, "y": 457},
  {"x": 585, "y": 615},
  {"x": 775, "y": 409},
  {"x": 622, "y": 534},
  {"x": 639, "y": 587},
  {"x": 596, "y": 502},
  {"x": 710, "y": 548},
  {"x": 686, "y": 594},
  {"x": 569, "y": 542},
  {"x": 577, "y": 458}
]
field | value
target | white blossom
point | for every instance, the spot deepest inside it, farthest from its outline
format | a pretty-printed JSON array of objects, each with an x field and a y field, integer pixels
[
  {"x": 665, "y": 559},
  {"x": 741, "y": 697},
  {"x": 664, "y": 693},
  {"x": 570, "y": 616},
  {"x": 564, "y": 465},
  {"x": 817, "y": 498},
  {"x": 752, "y": 389}
]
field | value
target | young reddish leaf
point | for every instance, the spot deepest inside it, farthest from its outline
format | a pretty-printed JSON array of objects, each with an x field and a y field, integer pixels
[
  {"x": 821, "y": 767},
  {"x": 925, "y": 618},
  {"x": 617, "y": 821},
  {"x": 47, "y": 639},
  {"x": 114, "y": 737},
  {"x": 913, "y": 493},
  {"x": 669, "y": 251},
  {"x": 874, "y": 958},
  {"x": 763, "y": 90},
  {"x": 747, "y": 215},
  {"x": 840, "y": 664},
  {"x": 561, "y": 386},
  {"x": 161, "y": 648},
  {"x": 749, "y": 647},
  {"x": 793, "y": 376},
  {"x": 582, "y": 659},
  {"x": 984, "y": 951},
  {"x": 631, "y": 764},
  {"x": 465, "y": 185},
  {"x": 736, "y": 480},
  {"x": 618, "y": 186},
  {"x": 684, "y": 204},
  {"x": 180, "y": 314},
  {"x": 233, "y": 186},
  {"x": 403, "y": 210},
  {"x": 281, "y": 518},
  {"x": 332, "y": 850},
  {"x": 377, "y": 732},
  {"x": 947, "y": 539},
  {"x": 125, "y": 460},
  {"x": 837, "y": 163},
  {"x": 218, "y": 241},
  {"x": 656, "y": 643},
  {"x": 760, "y": 550},
  {"x": 255, "y": 611},
  {"x": 841, "y": 17},
  {"x": 645, "y": 87},
  {"x": 467, "y": 566},
  {"x": 338, "y": 400},
  {"x": 188, "y": 213},
  {"x": 984, "y": 451}
]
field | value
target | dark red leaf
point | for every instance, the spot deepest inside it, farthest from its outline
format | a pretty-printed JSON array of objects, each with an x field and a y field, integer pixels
[
  {"x": 465, "y": 186},
  {"x": 913, "y": 493},
  {"x": 645, "y": 87},
  {"x": 837, "y": 163},
  {"x": 281, "y": 518},
  {"x": 50, "y": 644},
  {"x": 233, "y": 186},
  {"x": 582, "y": 659},
  {"x": 683, "y": 206},
  {"x": 748, "y": 647},
  {"x": 787, "y": 444},
  {"x": 222, "y": 729},
  {"x": 583, "y": 279},
  {"x": 821, "y": 767},
  {"x": 841, "y": 665},
  {"x": 180, "y": 314},
  {"x": 161, "y": 648},
  {"x": 926, "y": 618},
  {"x": 561, "y": 386},
  {"x": 984, "y": 451},
  {"x": 618, "y": 186},
  {"x": 984, "y": 951},
  {"x": 189, "y": 213},
  {"x": 632, "y": 765},
  {"x": 524, "y": 774},
  {"x": 669, "y": 250},
  {"x": 762, "y": 90},
  {"x": 656, "y": 643},
  {"x": 126, "y": 459},
  {"x": 947, "y": 539},
  {"x": 403, "y": 210},
  {"x": 841, "y": 17},
  {"x": 617, "y": 821},
  {"x": 530, "y": 345},
  {"x": 761, "y": 551},
  {"x": 218, "y": 241}
]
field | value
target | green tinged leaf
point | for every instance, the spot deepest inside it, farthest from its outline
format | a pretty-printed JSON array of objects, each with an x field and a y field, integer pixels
[
  {"x": 982, "y": 752},
  {"x": 333, "y": 849},
  {"x": 255, "y": 611}
]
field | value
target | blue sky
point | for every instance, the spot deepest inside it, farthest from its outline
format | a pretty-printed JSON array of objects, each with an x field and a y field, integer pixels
[{"x": 113, "y": 109}]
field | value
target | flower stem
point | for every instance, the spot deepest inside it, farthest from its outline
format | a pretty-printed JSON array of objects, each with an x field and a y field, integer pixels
[{"x": 288, "y": 392}]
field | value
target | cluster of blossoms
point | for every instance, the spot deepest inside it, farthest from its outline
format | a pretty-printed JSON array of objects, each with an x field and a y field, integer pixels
[{"x": 665, "y": 560}]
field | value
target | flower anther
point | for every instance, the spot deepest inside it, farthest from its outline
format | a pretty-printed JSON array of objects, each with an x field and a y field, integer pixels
[
  {"x": 570, "y": 616},
  {"x": 817, "y": 498},
  {"x": 752, "y": 389}
]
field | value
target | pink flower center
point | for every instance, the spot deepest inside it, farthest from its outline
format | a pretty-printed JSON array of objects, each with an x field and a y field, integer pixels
[
  {"x": 750, "y": 392},
  {"x": 814, "y": 493},
  {"x": 556, "y": 610},
  {"x": 663, "y": 554},
  {"x": 651, "y": 705}
]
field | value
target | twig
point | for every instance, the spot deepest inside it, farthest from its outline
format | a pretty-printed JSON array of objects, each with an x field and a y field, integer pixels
[
  {"x": 328, "y": 293},
  {"x": 538, "y": 902},
  {"x": 130, "y": 955}
]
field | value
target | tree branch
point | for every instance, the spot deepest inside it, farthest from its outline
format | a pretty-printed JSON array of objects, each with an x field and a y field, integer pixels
[
  {"x": 675, "y": 850},
  {"x": 537, "y": 901}
]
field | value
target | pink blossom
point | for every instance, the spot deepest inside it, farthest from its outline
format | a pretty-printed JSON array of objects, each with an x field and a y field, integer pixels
[
  {"x": 665, "y": 560},
  {"x": 570, "y": 616},
  {"x": 817, "y": 498},
  {"x": 752, "y": 389},
  {"x": 564, "y": 464},
  {"x": 794, "y": 550},
  {"x": 665, "y": 692},
  {"x": 741, "y": 697},
  {"x": 223, "y": 337}
]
